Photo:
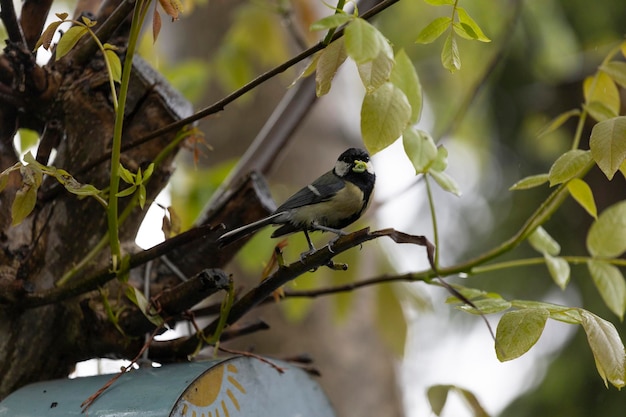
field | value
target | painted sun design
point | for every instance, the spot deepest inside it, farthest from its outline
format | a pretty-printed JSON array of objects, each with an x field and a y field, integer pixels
[{"x": 214, "y": 394}]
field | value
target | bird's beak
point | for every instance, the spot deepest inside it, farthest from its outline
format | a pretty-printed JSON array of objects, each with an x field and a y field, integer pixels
[{"x": 359, "y": 166}]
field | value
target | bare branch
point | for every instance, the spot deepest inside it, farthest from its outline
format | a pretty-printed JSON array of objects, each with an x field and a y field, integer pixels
[
  {"x": 9, "y": 18},
  {"x": 32, "y": 19}
]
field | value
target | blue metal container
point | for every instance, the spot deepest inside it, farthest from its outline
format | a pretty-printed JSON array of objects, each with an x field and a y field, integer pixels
[{"x": 240, "y": 386}]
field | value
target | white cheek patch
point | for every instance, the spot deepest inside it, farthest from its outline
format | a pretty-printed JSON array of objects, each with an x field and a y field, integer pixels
[{"x": 342, "y": 168}]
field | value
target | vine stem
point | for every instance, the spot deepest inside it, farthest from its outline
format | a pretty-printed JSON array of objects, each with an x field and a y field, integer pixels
[
  {"x": 112, "y": 213},
  {"x": 433, "y": 217}
]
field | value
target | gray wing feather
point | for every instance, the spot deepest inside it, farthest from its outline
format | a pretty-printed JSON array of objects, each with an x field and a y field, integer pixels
[{"x": 322, "y": 189}]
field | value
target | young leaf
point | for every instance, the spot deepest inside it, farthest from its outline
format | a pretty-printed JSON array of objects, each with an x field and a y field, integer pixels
[
  {"x": 46, "y": 37},
  {"x": 115, "y": 63},
  {"x": 599, "y": 111},
  {"x": 610, "y": 283},
  {"x": 127, "y": 191},
  {"x": 69, "y": 40},
  {"x": 565, "y": 314},
  {"x": 329, "y": 61},
  {"x": 441, "y": 161},
  {"x": 559, "y": 270},
  {"x": 362, "y": 41},
  {"x": 470, "y": 26},
  {"x": 144, "y": 305},
  {"x": 616, "y": 70},
  {"x": 518, "y": 331},
  {"x": 420, "y": 148},
  {"x": 437, "y": 397},
  {"x": 172, "y": 8},
  {"x": 530, "y": 182},
  {"x": 450, "y": 54},
  {"x": 405, "y": 77},
  {"x": 446, "y": 182},
  {"x": 127, "y": 176},
  {"x": 558, "y": 121},
  {"x": 602, "y": 89},
  {"x": 433, "y": 30},
  {"x": 375, "y": 73},
  {"x": 607, "y": 348},
  {"x": 608, "y": 146},
  {"x": 486, "y": 306},
  {"x": 331, "y": 22},
  {"x": 26, "y": 196},
  {"x": 581, "y": 192},
  {"x": 607, "y": 235},
  {"x": 568, "y": 166},
  {"x": 156, "y": 25},
  {"x": 440, "y": 2},
  {"x": 542, "y": 242},
  {"x": 385, "y": 114}
]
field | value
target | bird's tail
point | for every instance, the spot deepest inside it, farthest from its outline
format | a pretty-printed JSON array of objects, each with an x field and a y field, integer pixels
[{"x": 240, "y": 232}]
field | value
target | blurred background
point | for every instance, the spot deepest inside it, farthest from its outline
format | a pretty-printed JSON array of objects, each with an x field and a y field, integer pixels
[{"x": 379, "y": 349}]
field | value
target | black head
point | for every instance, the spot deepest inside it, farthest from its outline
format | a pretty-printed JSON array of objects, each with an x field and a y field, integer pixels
[{"x": 352, "y": 162}]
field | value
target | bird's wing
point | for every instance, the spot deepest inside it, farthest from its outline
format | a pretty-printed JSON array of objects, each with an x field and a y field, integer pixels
[{"x": 322, "y": 189}]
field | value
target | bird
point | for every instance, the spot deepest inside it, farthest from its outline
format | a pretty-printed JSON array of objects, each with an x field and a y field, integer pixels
[{"x": 333, "y": 201}]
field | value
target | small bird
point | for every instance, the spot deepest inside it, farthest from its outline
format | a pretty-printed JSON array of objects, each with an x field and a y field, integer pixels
[{"x": 332, "y": 202}]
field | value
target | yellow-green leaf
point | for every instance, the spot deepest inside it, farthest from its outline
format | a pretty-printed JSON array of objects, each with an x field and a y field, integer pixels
[
  {"x": 137, "y": 297},
  {"x": 420, "y": 148},
  {"x": 446, "y": 182},
  {"x": 331, "y": 22},
  {"x": 470, "y": 27},
  {"x": 26, "y": 196},
  {"x": 434, "y": 30},
  {"x": 559, "y": 270},
  {"x": 362, "y": 41},
  {"x": 608, "y": 145},
  {"x": 616, "y": 70},
  {"x": 610, "y": 283},
  {"x": 542, "y": 242},
  {"x": 581, "y": 192},
  {"x": 607, "y": 348},
  {"x": 558, "y": 121},
  {"x": 405, "y": 77},
  {"x": 568, "y": 166},
  {"x": 385, "y": 114},
  {"x": 376, "y": 72},
  {"x": 607, "y": 235},
  {"x": 115, "y": 63},
  {"x": 530, "y": 182},
  {"x": 486, "y": 306},
  {"x": 450, "y": 57},
  {"x": 602, "y": 89},
  {"x": 330, "y": 59},
  {"x": 518, "y": 331},
  {"x": 69, "y": 40}
]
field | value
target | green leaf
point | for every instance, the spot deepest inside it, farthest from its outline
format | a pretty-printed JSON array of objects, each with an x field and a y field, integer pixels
[
  {"x": 385, "y": 114},
  {"x": 376, "y": 72},
  {"x": 530, "y": 182},
  {"x": 148, "y": 172},
  {"x": 607, "y": 348},
  {"x": 363, "y": 41},
  {"x": 434, "y": 30},
  {"x": 441, "y": 161},
  {"x": 559, "y": 270},
  {"x": 4, "y": 178},
  {"x": 486, "y": 306},
  {"x": 599, "y": 111},
  {"x": 616, "y": 70},
  {"x": 28, "y": 138},
  {"x": 329, "y": 61},
  {"x": 137, "y": 297},
  {"x": 127, "y": 191},
  {"x": 608, "y": 145},
  {"x": 581, "y": 192},
  {"x": 470, "y": 27},
  {"x": 116, "y": 65},
  {"x": 518, "y": 331},
  {"x": 141, "y": 196},
  {"x": 127, "y": 176},
  {"x": 26, "y": 196},
  {"x": 602, "y": 89},
  {"x": 420, "y": 148},
  {"x": 446, "y": 182},
  {"x": 406, "y": 79},
  {"x": 607, "y": 235},
  {"x": 565, "y": 314},
  {"x": 69, "y": 40},
  {"x": 331, "y": 22},
  {"x": 450, "y": 57},
  {"x": 542, "y": 242},
  {"x": 610, "y": 283},
  {"x": 390, "y": 319},
  {"x": 568, "y": 166},
  {"x": 558, "y": 121},
  {"x": 437, "y": 397}
]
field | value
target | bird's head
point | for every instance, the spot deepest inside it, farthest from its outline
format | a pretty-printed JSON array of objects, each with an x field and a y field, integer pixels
[{"x": 353, "y": 160}]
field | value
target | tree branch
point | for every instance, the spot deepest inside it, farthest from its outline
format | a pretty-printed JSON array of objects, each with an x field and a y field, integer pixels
[
  {"x": 32, "y": 19},
  {"x": 9, "y": 18}
]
